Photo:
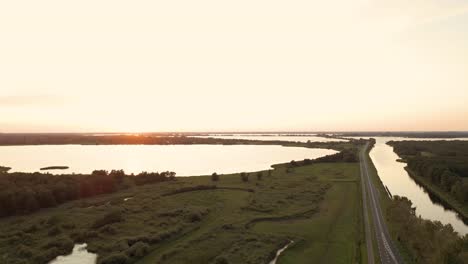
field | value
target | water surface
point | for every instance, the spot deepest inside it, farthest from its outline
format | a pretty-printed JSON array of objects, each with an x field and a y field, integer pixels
[
  {"x": 395, "y": 177},
  {"x": 294, "y": 138},
  {"x": 79, "y": 256},
  {"x": 185, "y": 160}
]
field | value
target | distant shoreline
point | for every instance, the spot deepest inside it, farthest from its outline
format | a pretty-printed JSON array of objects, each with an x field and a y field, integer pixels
[{"x": 55, "y": 168}]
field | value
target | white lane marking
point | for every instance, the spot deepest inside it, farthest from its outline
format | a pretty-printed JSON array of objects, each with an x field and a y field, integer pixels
[
  {"x": 389, "y": 249},
  {"x": 374, "y": 203}
]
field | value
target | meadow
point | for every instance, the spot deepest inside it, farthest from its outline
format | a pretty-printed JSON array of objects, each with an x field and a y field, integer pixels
[{"x": 236, "y": 218}]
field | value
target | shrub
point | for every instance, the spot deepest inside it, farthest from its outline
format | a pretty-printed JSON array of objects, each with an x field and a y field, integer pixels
[
  {"x": 54, "y": 231},
  {"x": 293, "y": 164},
  {"x": 109, "y": 229},
  {"x": 244, "y": 176},
  {"x": 118, "y": 258},
  {"x": 194, "y": 217},
  {"x": 109, "y": 218},
  {"x": 214, "y": 176},
  {"x": 63, "y": 244},
  {"x": 133, "y": 240},
  {"x": 259, "y": 175},
  {"x": 138, "y": 250},
  {"x": 47, "y": 255},
  {"x": 221, "y": 260},
  {"x": 23, "y": 251},
  {"x": 53, "y": 220}
]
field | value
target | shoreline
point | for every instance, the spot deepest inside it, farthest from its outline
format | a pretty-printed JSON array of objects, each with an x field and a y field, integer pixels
[{"x": 445, "y": 200}]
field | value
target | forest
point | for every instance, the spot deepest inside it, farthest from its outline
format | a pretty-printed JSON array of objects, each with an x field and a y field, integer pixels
[
  {"x": 427, "y": 241},
  {"x": 22, "y": 193},
  {"x": 443, "y": 163}
]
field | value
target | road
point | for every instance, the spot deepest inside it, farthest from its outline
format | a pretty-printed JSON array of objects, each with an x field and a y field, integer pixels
[{"x": 388, "y": 253}]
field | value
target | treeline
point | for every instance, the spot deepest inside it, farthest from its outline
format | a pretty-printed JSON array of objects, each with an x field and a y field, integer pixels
[
  {"x": 428, "y": 242},
  {"x": 149, "y": 139},
  {"x": 347, "y": 155},
  {"x": 429, "y": 134},
  {"x": 22, "y": 193},
  {"x": 443, "y": 163},
  {"x": 83, "y": 139}
]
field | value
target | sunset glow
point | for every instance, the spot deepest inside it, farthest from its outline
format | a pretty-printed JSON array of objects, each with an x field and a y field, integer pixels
[{"x": 205, "y": 65}]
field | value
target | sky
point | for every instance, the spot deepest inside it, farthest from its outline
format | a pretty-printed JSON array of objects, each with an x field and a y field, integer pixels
[{"x": 245, "y": 65}]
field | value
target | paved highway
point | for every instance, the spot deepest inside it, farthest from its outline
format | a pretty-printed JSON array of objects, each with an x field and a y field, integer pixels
[{"x": 388, "y": 253}]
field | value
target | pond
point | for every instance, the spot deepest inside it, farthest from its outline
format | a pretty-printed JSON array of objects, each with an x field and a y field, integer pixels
[
  {"x": 79, "y": 256},
  {"x": 185, "y": 160}
]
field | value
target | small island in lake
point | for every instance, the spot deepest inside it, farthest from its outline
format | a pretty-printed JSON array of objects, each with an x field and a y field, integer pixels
[{"x": 55, "y": 168}]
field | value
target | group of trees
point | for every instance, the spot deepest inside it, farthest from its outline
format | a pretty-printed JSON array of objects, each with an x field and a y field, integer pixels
[
  {"x": 427, "y": 241},
  {"x": 443, "y": 163},
  {"x": 83, "y": 139},
  {"x": 443, "y": 176},
  {"x": 22, "y": 193},
  {"x": 346, "y": 155}
]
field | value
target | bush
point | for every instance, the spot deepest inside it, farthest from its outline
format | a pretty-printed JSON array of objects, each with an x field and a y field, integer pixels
[
  {"x": 138, "y": 250},
  {"x": 214, "y": 177},
  {"x": 64, "y": 244},
  {"x": 293, "y": 164},
  {"x": 194, "y": 217},
  {"x": 244, "y": 176},
  {"x": 118, "y": 258},
  {"x": 54, "y": 231},
  {"x": 108, "y": 230},
  {"x": 221, "y": 260},
  {"x": 23, "y": 251},
  {"x": 47, "y": 256},
  {"x": 109, "y": 218},
  {"x": 259, "y": 175}
]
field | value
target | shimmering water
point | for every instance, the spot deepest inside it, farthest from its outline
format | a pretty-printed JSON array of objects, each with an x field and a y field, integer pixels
[{"x": 185, "y": 160}]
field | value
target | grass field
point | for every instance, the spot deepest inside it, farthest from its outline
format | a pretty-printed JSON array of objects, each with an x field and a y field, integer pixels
[{"x": 188, "y": 221}]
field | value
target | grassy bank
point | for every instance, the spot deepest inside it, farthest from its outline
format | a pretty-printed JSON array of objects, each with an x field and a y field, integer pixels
[{"x": 197, "y": 220}]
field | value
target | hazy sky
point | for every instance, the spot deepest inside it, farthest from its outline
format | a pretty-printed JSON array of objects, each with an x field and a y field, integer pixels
[{"x": 184, "y": 65}]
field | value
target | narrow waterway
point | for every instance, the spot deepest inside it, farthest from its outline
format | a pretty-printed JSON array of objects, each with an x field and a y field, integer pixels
[
  {"x": 280, "y": 251},
  {"x": 397, "y": 180}
]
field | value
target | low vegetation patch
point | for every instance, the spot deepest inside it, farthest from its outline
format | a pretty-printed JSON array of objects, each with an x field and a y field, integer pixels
[{"x": 190, "y": 220}]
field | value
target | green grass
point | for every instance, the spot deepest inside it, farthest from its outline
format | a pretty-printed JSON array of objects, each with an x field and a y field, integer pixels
[{"x": 317, "y": 206}]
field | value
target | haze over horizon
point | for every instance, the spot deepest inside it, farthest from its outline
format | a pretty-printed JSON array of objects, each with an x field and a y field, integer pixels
[{"x": 365, "y": 65}]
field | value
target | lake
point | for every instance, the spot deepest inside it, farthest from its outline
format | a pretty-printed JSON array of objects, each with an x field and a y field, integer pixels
[
  {"x": 185, "y": 160},
  {"x": 295, "y": 138}
]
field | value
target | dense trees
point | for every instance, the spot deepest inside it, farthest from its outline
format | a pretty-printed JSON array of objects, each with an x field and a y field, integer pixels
[
  {"x": 22, "y": 193},
  {"x": 443, "y": 163},
  {"x": 347, "y": 155},
  {"x": 427, "y": 241}
]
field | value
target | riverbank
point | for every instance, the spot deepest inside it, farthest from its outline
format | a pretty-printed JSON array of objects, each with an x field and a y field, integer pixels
[{"x": 444, "y": 198}]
